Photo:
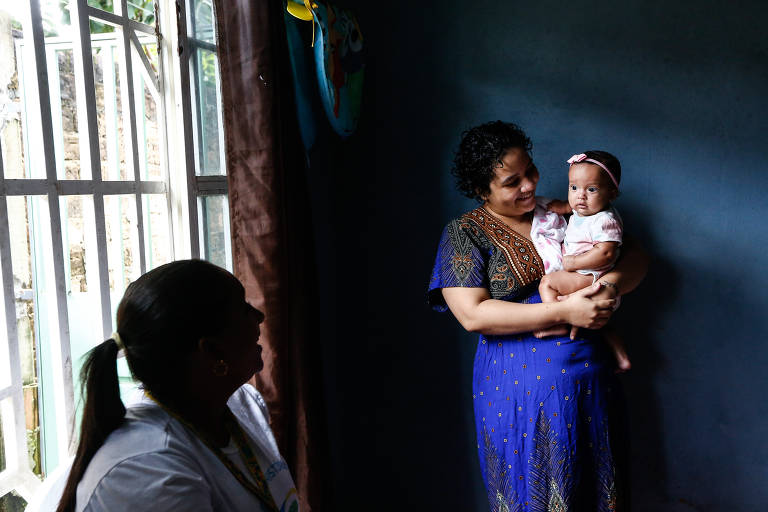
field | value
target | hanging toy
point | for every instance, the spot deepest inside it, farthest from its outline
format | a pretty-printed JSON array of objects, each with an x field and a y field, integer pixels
[
  {"x": 339, "y": 60},
  {"x": 303, "y": 73}
]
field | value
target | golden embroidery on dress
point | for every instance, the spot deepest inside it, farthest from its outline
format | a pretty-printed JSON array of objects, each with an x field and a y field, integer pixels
[
  {"x": 501, "y": 495},
  {"x": 606, "y": 476},
  {"x": 519, "y": 252},
  {"x": 550, "y": 478}
]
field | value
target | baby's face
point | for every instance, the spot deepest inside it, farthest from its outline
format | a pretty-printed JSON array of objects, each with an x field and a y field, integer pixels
[{"x": 589, "y": 189}]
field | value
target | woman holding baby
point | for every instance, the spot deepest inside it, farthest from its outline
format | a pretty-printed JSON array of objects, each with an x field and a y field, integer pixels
[{"x": 548, "y": 409}]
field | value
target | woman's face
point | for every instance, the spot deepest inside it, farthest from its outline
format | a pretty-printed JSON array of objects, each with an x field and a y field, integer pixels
[
  {"x": 243, "y": 353},
  {"x": 513, "y": 187}
]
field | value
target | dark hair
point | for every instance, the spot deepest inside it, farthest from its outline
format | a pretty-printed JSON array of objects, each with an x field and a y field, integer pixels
[
  {"x": 160, "y": 318},
  {"x": 608, "y": 160},
  {"x": 480, "y": 151}
]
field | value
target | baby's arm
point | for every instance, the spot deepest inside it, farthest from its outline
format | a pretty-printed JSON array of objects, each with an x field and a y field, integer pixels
[{"x": 601, "y": 254}]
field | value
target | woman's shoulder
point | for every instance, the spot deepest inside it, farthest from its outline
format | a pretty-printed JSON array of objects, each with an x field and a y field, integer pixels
[
  {"x": 145, "y": 429},
  {"x": 139, "y": 446},
  {"x": 468, "y": 236},
  {"x": 466, "y": 218},
  {"x": 469, "y": 225},
  {"x": 162, "y": 479}
]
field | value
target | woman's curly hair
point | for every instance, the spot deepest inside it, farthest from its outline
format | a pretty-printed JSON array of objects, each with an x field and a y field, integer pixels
[{"x": 480, "y": 151}]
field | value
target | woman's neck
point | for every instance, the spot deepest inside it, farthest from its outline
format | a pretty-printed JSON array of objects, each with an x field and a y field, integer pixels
[
  {"x": 206, "y": 414},
  {"x": 523, "y": 218}
]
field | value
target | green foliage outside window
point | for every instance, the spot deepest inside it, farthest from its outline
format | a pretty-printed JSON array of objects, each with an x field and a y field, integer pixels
[{"x": 138, "y": 10}]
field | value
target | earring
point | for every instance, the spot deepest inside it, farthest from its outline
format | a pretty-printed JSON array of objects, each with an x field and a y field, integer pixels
[{"x": 220, "y": 368}]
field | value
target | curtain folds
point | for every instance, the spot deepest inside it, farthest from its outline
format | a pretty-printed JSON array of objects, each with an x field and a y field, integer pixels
[{"x": 270, "y": 239}]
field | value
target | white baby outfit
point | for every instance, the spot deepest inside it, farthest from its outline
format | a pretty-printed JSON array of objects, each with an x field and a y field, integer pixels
[{"x": 549, "y": 231}]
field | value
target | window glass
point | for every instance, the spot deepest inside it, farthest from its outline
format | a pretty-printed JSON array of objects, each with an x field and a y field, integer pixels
[
  {"x": 104, "y": 5},
  {"x": 111, "y": 112},
  {"x": 37, "y": 327},
  {"x": 202, "y": 21},
  {"x": 142, "y": 11},
  {"x": 81, "y": 269},
  {"x": 5, "y": 362},
  {"x": 208, "y": 136},
  {"x": 122, "y": 244},
  {"x": 157, "y": 239},
  {"x": 3, "y": 463},
  {"x": 20, "y": 122},
  {"x": 215, "y": 245},
  {"x": 148, "y": 132},
  {"x": 66, "y": 133}
]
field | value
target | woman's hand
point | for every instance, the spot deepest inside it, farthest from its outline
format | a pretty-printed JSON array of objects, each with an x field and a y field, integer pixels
[
  {"x": 560, "y": 207},
  {"x": 590, "y": 307}
]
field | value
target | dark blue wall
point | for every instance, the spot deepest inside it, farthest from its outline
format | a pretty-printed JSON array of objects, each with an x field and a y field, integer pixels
[{"x": 679, "y": 92}]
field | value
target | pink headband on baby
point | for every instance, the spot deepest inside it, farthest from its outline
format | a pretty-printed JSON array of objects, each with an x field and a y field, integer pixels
[{"x": 581, "y": 157}]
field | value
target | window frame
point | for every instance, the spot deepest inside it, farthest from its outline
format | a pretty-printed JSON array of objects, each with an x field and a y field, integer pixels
[
  {"x": 198, "y": 186},
  {"x": 181, "y": 186}
]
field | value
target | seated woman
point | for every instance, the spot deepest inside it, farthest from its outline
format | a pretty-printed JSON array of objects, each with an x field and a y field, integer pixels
[
  {"x": 200, "y": 440},
  {"x": 547, "y": 411}
]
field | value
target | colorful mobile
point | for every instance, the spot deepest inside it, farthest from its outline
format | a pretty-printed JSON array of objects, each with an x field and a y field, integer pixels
[{"x": 339, "y": 60}]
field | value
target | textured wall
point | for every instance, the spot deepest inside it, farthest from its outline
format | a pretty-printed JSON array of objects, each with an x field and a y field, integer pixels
[{"x": 678, "y": 92}]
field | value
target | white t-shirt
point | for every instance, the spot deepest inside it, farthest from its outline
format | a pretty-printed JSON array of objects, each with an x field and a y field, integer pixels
[
  {"x": 552, "y": 236},
  {"x": 153, "y": 462},
  {"x": 583, "y": 232}
]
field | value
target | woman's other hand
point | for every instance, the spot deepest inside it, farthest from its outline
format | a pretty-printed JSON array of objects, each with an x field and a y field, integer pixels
[
  {"x": 560, "y": 207},
  {"x": 590, "y": 307}
]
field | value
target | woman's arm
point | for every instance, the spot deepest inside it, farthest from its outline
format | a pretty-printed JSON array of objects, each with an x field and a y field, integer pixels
[{"x": 476, "y": 311}]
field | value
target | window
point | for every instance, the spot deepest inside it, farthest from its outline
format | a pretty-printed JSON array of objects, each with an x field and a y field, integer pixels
[
  {"x": 111, "y": 163},
  {"x": 199, "y": 67}
]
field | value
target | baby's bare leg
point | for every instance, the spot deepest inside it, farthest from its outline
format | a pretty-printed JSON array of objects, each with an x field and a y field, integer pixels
[
  {"x": 560, "y": 283},
  {"x": 619, "y": 350}
]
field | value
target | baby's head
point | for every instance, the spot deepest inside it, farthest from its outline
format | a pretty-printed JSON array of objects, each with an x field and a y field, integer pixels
[{"x": 593, "y": 181}]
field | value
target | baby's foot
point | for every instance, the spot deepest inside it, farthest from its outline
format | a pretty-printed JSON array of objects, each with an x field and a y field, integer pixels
[
  {"x": 622, "y": 361},
  {"x": 555, "y": 330}
]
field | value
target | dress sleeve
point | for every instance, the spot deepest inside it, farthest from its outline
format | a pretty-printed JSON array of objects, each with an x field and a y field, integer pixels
[
  {"x": 607, "y": 228},
  {"x": 459, "y": 263}
]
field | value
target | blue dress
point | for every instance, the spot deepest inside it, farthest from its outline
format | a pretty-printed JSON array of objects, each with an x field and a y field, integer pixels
[{"x": 548, "y": 412}]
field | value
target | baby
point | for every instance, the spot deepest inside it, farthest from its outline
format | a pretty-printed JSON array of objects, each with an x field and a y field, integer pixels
[{"x": 590, "y": 242}]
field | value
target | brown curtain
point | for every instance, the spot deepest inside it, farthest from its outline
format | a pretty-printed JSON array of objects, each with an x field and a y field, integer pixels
[{"x": 270, "y": 244}]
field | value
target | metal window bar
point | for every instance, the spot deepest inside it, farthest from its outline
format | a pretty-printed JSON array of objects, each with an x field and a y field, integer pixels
[
  {"x": 89, "y": 146},
  {"x": 188, "y": 120},
  {"x": 17, "y": 474},
  {"x": 127, "y": 77},
  {"x": 130, "y": 29},
  {"x": 60, "y": 346},
  {"x": 163, "y": 119}
]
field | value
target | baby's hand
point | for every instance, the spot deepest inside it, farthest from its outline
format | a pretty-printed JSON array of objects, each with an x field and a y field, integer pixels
[{"x": 560, "y": 207}]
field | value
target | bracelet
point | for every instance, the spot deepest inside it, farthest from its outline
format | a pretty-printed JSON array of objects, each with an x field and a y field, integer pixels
[{"x": 611, "y": 285}]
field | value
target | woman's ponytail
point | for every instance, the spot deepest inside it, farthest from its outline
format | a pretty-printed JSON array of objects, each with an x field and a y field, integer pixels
[{"x": 103, "y": 413}]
